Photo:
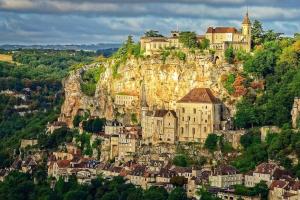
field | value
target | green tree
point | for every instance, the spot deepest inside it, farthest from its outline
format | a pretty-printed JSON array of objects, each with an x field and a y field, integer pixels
[
  {"x": 229, "y": 55},
  {"x": 211, "y": 142},
  {"x": 180, "y": 160},
  {"x": 178, "y": 194},
  {"x": 153, "y": 33},
  {"x": 257, "y": 33},
  {"x": 188, "y": 39},
  {"x": 178, "y": 181},
  {"x": 156, "y": 193}
]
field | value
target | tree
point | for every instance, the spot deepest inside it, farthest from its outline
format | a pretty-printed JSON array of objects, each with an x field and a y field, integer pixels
[
  {"x": 178, "y": 194},
  {"x": 211, "y": 142},
  {"x": 152, "y": 33},
  {"x": 229, "y": 55},
  {"x": 156, "y": 193},
  {"x": 178, "y": 181},
  {"x": 188, "y": 39},
  {"x": 204, "y": 44},
  {"x": 180, "y": 160},
  {"x": 257, "y": 33}
]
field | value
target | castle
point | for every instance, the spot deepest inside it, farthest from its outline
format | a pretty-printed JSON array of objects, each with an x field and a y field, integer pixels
[{"x": 220, "y": 38}]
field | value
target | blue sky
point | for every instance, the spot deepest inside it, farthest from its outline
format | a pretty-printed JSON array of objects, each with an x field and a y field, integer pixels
[{"x": 110, "y": 21}]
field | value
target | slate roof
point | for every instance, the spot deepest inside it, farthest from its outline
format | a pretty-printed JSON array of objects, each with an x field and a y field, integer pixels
[{"x": 199, "y": 95}]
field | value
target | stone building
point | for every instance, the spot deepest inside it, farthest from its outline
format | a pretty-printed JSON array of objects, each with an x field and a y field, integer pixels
[
  {"x": 295, "y": 112},
  {"x": 154, "y": 45},
  {"x": 160, "y": 126},
  {"x": 113, "y": 127},
  {"x": 199, "y": 114},
  {"x": 223, "y": 37},
  {"x": 225, "y": 176},
  {"x": 220, "y": 39},
  {"x": 284, "y": 189},
  {"x": 126, "y": 99},
  {"x": 265, "y": 172}
]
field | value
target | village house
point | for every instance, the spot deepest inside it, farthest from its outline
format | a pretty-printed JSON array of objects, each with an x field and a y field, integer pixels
[
  {"x": 284, "y": 189},
  {"x": 113, "y": 127},
  {"x": 265, "y": 172},
  {"x": 225, "y": 176},
  {"x": 199, "y": 114},
  {"x": 51, "y": 127},
  {"x": 28, "y": 143},
  {"x": 140, "y": 176},
  {"x": 159, "y": 126},
  {"x": 126, "y": 99},
  {"x": 295, "y": 112}
]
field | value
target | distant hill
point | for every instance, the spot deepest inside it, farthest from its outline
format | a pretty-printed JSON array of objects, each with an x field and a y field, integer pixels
[{"x": 84, "y": 47}]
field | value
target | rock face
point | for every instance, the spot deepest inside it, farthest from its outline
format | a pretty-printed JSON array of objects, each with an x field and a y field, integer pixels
[{"x": 165, "y": 82}]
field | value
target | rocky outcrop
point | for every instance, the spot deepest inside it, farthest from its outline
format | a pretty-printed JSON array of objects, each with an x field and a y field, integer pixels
[{"x": 165, "y": 82}]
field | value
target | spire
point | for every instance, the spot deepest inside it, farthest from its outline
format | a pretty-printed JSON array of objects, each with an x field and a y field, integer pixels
[
  {"x": 246, "y": 19},
  {"x": 143, "y": 96}
]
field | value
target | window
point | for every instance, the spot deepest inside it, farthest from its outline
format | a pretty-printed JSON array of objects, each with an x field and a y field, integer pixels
[
  {"x": 193, "y": 131},
  {"x": 182, "y": 118},
  {"x": 181, "y": 130},
  {"x": 194, "y": 119},
  {"x": 189, "y": 118},
  {"x": 204, "y": 129},
  {"x": 195, "y": 110},
  {"x": 183, "y": 110}
]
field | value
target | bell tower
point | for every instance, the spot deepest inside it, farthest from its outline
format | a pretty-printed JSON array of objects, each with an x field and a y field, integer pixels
[{"x": 246, "y": 30}]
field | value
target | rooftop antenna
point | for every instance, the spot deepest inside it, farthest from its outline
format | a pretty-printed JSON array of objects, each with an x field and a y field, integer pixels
[{"x": 177, "y": 27}]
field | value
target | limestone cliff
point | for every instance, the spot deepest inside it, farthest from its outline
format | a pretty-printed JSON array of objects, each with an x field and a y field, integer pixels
[{"x": 165, "y": 81}]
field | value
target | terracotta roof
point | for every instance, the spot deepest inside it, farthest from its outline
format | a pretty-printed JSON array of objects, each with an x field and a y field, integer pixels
[
  {"x": 266, "y": 168},
  {"x": 63, "y": 163},
  {"x": 278, "y": 184},
  {"x": 221, "y": 30},
  {"x": 199, "y": 95},
  {"x": 162, "y": 113},
  {"x": 246, "y": 19}
]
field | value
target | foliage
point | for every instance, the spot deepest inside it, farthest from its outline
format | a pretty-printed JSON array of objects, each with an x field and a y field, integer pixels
[
  {"x": 205, "y": 195},
  {"x": 180, "y": 160},
  {"x": 178, "y": 181},
  {"x": 156, "y": 193},
  {"x": 229, "y": 55},
  {"x": 228, "y": 84},
  {"x": 164, "y": 55},
  {"x": 178, "y": 194},
  {"x": 204, "y": 44},
  {"x": 277, "y": 62},
  {"x": 57, "y": 138},
  {"x": 133, "y": 118},
  {"x": 261, "y": 189},
  {"x": 211, "y": 142},
  {"x": 180, "y": 55},
  {"x": 152, "y": 33},
  {"x": 94, "y": 125},
  {"x": 90, "y": 78},
  {"x": 189, "y": 39}
]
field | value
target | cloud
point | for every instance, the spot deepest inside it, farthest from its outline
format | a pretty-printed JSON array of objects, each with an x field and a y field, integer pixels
[{"x": 78, "y": 21}]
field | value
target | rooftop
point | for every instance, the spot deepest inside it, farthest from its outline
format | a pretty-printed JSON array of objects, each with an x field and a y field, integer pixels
[{"x": 199, "y": 95}]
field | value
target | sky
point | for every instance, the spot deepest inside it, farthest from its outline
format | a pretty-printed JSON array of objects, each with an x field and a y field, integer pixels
[{"x": 111, "y": 21}]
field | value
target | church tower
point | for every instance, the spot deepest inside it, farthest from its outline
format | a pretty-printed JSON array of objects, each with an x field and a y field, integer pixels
[{"x": 246, "y": 30}]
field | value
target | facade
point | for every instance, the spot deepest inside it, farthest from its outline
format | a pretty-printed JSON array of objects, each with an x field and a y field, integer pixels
[
  {"x": 160, "y": 126},
  {"x": 126, "y": 99},
  {"x": 227, "y": 194},
  {"x": 199, "y": 114},
  {"x": 225, "y": 176}
]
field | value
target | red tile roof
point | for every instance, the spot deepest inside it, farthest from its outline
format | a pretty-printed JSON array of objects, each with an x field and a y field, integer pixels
[
  {"x": 221, "y": 30},
  {"x": 199, "y": 95},
  {"x": 63, "y": 163}
]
